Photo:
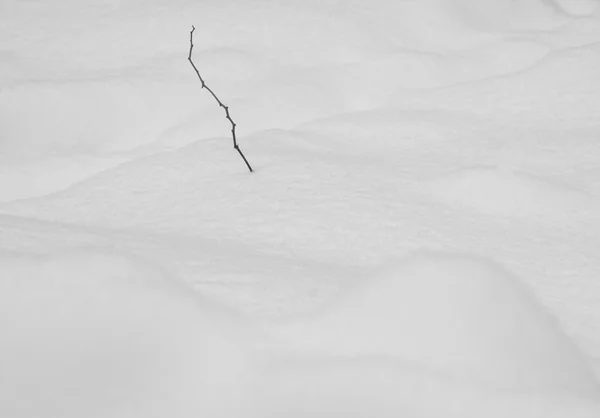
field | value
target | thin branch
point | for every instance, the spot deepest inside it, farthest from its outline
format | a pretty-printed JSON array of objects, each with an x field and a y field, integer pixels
[{"x": 226, "y": 108}]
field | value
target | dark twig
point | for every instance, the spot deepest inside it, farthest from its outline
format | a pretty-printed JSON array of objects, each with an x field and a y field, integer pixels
[{"x": 226, "y": 108}]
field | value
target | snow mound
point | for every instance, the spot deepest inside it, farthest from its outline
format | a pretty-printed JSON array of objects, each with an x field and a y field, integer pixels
[
  {"x": 578, "y": 7},
  {"x": 77, "y": 118},
  {"x": 442, "y": 26},
  {"x": 502, "y": 15},
  {"x": 97, "y": 334},
  {"x": 508, "y": 193},
  {"x": 460, "y": 316},
  {"x": 559, "y": 91},
  {"x": 324, "y": 386}
]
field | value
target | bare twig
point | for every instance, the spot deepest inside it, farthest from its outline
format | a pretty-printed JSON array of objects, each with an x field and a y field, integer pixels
[{"x": 226, "y": 108}]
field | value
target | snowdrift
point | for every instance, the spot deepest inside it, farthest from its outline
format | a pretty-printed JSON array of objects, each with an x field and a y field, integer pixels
[
  {"x": 325, "y": 386},
  {"x": 103, "y": 335},
  {"x": 511, "y": 193},
  {"x": 457, "y": 315}
]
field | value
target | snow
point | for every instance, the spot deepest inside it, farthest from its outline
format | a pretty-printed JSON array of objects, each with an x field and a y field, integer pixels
[
  {"x": 454, "y": 314},
  {"x": 503, "y": 192},
  {"x": 419, "y": 237},
  {"x": 325, "y": 387},
  {"x": 92, "y": 333},
  {"x": 578, "y": 7}
]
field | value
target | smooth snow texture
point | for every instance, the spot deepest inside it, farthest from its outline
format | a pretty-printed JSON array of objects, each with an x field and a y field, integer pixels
[
  {"x": 578, "y": 7},
  {"x": 508, "y": 193},
  {"x": 503, "y": 15},
  {"x": 557, "y": 92},
  {"x": 457, "y": 315},
  {"x": 376, "y": 128},
  {"x": 313, "y": 386},
  {"x": 101, "y": 335}
]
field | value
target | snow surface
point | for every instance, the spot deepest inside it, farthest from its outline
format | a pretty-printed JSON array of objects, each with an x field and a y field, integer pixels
[
  {"x": 94, "y": 334},
  {"x": 474, "y": 320},
  {"x": 420, "y": 237}
]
